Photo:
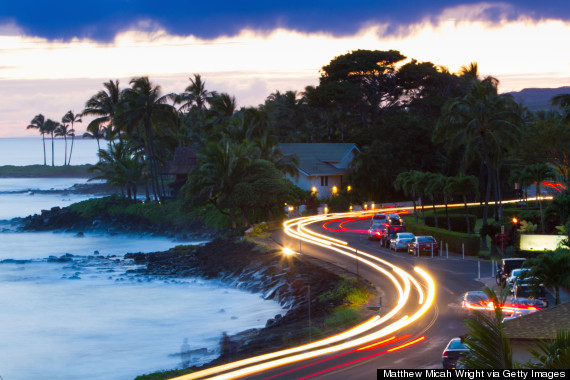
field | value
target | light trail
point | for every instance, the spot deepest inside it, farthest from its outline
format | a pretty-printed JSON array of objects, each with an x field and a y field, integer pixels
[{"x": 370, "y": 331}]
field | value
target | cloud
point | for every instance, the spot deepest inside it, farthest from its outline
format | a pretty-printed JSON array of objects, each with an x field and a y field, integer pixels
[{"x": 104, "y": 19}]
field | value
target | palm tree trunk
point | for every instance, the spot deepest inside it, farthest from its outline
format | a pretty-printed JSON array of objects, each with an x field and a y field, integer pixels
[
  {"x": 65, "y": 155},
  {"x": 415, "y": 209},
  {"x": 539, "y": 205},
  {"x": 434, "y": 213},
  {"x": 423, "y": 214},
  {"x": 44, "y": 142},
  {"x": 447, "y": 214},
  {"x": 52, "y": 151},
  {"x": 70, "y": 150},
  {"x": 466, "y": 215}
]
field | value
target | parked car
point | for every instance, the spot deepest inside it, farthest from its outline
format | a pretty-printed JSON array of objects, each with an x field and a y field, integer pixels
[
  {"x": 515, "y": 273},
  {"x": 401, "y": 240},
  {"x": 376, "y": 231},
  {"x": 421, "y": 244},
  {"x": 506, "y": 266},
  {"x": 519, "y": 313},
  {"x": 527, "y": 291},
  {"x": 454, "y": 350}
]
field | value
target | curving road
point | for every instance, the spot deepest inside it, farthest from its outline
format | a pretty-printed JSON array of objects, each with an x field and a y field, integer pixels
[{"x": 411, "y": 329}]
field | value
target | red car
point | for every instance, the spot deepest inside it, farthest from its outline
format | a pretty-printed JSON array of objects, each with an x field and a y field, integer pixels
[{"x": 423, "y": 244}]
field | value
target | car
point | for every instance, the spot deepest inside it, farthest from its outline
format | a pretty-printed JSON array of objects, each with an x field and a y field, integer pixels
[
  {"x": 421, "y": 244},
  {"x": 401, "y": 240},
  {"x": 376, "y": 231},
  {"x": 379, "y": 219},
  {"x": 454, "y": 350},
  {"x": 528, "y": 292},
  {"x": 515, "y": 273},
  {"x": 506, "y": 266},
  {"x": 476, "y": 300},
  {"x": 520, "y": 313}
]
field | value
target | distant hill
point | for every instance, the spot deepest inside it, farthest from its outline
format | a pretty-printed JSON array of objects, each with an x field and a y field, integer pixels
[{"x": 538, "y": 98}]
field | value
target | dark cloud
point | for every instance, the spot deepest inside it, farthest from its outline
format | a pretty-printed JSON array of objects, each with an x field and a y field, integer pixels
[{"x": 103, "y": 19}]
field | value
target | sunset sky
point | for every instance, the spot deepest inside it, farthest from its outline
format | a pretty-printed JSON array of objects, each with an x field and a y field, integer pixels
[{"x": 55, "y": 54}]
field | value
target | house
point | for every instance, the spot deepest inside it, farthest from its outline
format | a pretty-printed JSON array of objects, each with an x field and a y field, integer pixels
[
  {"x": 183, "y": 162},
  {"x": 322, "y": 166},
  {"x": 543, "y": 325}
]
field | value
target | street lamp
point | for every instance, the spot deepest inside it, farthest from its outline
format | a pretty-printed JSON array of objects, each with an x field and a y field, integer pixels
[
  {"x": 348, "y": 188},
  {"x": 334, "y": 189}
]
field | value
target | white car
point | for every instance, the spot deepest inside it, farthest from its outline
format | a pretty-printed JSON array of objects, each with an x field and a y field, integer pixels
[
  {"x": 401, "y": 240},
  {"x": 515, "y": 273}
]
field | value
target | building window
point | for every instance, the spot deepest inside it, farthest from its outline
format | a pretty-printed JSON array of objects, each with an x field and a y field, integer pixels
[{"x": 324, "y": 180}]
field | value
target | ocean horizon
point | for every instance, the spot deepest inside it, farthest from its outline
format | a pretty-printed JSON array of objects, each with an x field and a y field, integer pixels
[{"x": 24, "y": 151}]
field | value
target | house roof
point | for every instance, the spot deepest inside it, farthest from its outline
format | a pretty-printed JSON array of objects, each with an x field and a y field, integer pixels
[
  {"x": 543, "y": 324},
  {"x": 184, "y": 160},
  {"x": 319, "y": 158}
]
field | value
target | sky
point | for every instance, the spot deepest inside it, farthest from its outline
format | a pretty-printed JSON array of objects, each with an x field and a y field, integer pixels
[{"x": 56, "y": 54}]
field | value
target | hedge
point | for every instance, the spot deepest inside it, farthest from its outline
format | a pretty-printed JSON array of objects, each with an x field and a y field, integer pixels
[
  {"x": 457, "y": 221},
  {"x": 453, "y": 239}
]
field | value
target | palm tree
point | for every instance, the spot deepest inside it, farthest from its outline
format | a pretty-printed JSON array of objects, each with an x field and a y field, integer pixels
[
  {"x": 554, "y": 354},
  {"x": 63, "y": 130},
  {"x": 71, "y": 118},
  {"x": 488, "y": 346},
  {"x": 38, "y": 122},
  {"x": 463, "y": 186},
  {"x": 144, "y": 110},
  {"x": 50, "y": 127},
  {"x": 447, "y": 195},
  {"x": 539, "y": 173},
  {"x": 434, "y": 189},
  {"x": 195, "y": 95},
  {"x": 420, "y": 184},
  {"x": 98, "y": 133},
  {"x": 405, "y": 182},
  {"x": 551, "y": 268},
  {"x": 103, "y": 106},
  {"x": 483, "y": 123},
  {"x": 222, "y": 167}
]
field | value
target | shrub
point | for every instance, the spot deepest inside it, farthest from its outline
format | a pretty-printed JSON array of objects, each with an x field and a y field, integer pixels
[
  {"x": 341, "y": 316},
  {"x": 457, "y": 221},
  {"x": 453, "y": 239},
  {"x": 347, "y": 291}
]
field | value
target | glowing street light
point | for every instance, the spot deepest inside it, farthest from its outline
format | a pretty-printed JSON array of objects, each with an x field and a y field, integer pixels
[
  {"x": 334, "y": 189},
  {"x": 348, "y": 188},
  {"x": 314, "y": 189}
]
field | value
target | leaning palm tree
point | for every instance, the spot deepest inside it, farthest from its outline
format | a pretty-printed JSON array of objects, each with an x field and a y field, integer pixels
[
  {"x": 539, "y": 173},
  {"x": 143, "y": 110},
  {"x": 71, "y": 118},
  {"x": 103, "y": 106},
  {"x": 38, "y": 122},
  {"x": 97, "y": 132}
]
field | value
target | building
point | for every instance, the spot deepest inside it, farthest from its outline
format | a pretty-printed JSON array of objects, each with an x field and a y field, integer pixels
[
  {"x": 543, "y": 325},
  {"x": 183, "y": 162},
  {"x": 322, "y": 166}
]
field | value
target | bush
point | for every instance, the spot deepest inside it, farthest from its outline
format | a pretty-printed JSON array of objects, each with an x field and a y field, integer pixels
[
  {"x": 341, "y": 316},
  {"x": 347, "y": 291},
  {"x": 453, "y": 239},
  {"x": 457, "y": 221}
]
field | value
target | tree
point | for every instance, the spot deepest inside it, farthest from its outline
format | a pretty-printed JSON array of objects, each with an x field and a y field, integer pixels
[
  {"x": 551, "y": 269},
  {"x": 98, "y": 133},
  {"x": 144, "y": 110},
  {"x": 71, "y": 118},
  {"x": 483, "y": 123},
  {"x": 539, "y": 173},
  {"x": 50, "y": 127},
  {"x": 554, "y": 354},
  {"x": 38, "y": 122},
  {"x": 434, "y": 189},
  {"x": 103, "y": 106},
  {"x": 195, "y": 95},
  {"x": 463, "y": 186},
  {"x": 405, "y": 181},
  {"x": 63, "y": 130},
  {"x": 488, "y": 346}
]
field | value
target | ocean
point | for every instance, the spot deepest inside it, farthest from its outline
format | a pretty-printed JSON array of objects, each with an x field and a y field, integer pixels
[{"x": 88, "y": 317}]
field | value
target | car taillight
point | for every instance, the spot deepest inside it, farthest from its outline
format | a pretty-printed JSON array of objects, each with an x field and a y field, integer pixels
[{"x": 445, "y": 354}]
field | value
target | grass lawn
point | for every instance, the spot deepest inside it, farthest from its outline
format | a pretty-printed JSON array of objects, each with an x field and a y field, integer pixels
[{"x": 41, "y": 171}]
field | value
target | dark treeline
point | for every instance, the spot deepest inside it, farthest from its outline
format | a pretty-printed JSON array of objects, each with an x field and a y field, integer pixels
[{"x": 403, "y": 114}]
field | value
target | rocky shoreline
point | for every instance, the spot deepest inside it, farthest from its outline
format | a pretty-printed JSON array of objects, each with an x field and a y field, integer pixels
[{"x": 245, "y": 265}]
